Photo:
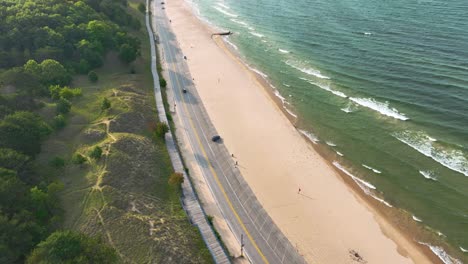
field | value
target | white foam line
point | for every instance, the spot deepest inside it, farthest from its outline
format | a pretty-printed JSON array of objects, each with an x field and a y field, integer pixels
[
  {"x": 283, "y": 51},
  {"x": 440, "y": 252},
  {"x": 239, "y": 22},
  {"x": 326, "y": 88},
  {"x": 381, "y": 200},
  {"x": 372, "y": 169},
  {"x": 290, "y": 112},
  {"x": 416, "y": 219},
  {"x": 453, "y": 159},
  {"x": 463, "y": 250},
  {"x": 309, "y": 136},
  {"x": 230, "y": 43},
  {"x": 359, "y": 181},
  {"x": 428, "y": 175},
  {"x": 287, "y": 85},
  {"x": 225, "y": 12},
  {"x": 223, "y": 5},
  {"x": 380, "y": 107},
  {"x": 331, "y": 144},
  {"x": 256, "y": 34},
  {"x": 307, "y": 70},
  {"x": 339, "y": 153}
]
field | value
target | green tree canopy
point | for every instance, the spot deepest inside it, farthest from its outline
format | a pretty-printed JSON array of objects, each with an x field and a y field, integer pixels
[{"x": 72, "y": 247}]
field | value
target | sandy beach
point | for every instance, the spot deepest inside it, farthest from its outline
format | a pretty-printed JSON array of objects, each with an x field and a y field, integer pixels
[{"x": 327, "y": 220}]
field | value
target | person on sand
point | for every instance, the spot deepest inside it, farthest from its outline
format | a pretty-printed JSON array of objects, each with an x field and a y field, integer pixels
[{"x": 299, "y": 191}]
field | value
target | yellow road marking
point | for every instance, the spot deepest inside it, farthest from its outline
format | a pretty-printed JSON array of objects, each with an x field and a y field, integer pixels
[{"x": 216, "y": 175}]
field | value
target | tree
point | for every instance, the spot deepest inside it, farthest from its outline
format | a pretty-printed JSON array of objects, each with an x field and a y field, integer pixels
[
  {"x": 52, "y": 72},
  {"x": 23, "y": 132},
  {"x": 96, "y": 153},
  {"x": 78, "y": 159},
  {"x": 105, "y": 104},
  {"x": 127, "y": 53},
  {"x": 63, "y": 106},
  {"x": 141, "y": 7},
  {"x": 59, "y": 122},
  {"x": 93, "y": 77},
  {"x": 161, "y": 129},
  {"x": 176, "y": 179},
  {"x": 162, "y": 82},
  {"x": 72, "y": 247},
  {"x": 57, "y": 162}
]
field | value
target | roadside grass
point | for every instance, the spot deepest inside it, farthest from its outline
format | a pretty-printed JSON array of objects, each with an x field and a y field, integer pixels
[{"x": 123, "y": 196}]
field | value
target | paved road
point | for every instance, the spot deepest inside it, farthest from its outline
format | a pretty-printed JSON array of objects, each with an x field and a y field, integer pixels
[{"x": 264, "y": 242}]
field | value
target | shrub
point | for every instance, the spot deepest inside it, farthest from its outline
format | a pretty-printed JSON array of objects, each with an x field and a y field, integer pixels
[
  {"x": 105, "y": 104},
  {"x": 161, "y": 129},
  {"x": 93, "y": 77},
  {"x": 69, "y": 93},
  {"x": 78, "y": 159},
  {"x": 57, "y": 162},
  {"x": 141, "y": 7},
  {"x": 176, "y": 179},
  {"x": 59, "y": 122},
  {"x": 63, "y": 106},
  {"x": 162, "y": 82},
  {"x": 96, "y": 153}
]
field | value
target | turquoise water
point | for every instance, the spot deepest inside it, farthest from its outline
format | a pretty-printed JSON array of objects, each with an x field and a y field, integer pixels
[{"x": 384, "y": 84}]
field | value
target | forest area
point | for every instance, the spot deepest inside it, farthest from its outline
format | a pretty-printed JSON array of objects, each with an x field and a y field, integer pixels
[{"x": 43, "y": 45}]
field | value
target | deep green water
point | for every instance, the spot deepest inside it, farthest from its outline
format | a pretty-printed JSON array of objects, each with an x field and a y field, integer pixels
[{"x": 382, "y": 83}]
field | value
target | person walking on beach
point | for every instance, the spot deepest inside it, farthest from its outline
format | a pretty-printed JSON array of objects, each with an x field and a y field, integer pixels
[{"x": 299, "y": 191}]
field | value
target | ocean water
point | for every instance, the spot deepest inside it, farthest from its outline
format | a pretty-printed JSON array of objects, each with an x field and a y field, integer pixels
[{"x": 382, "y": 84}]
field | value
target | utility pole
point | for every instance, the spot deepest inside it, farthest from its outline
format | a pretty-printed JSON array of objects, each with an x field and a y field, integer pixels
[{"x": 242, "y": 245}]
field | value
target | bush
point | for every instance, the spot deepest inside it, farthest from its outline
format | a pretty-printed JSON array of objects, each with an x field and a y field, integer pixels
[
  {"x": 161, "y": 129},
  {"x": 78, "y": 159},
  {"x": 59, "y": 122},
  {"x": 63, "y": 106},
  {"x": 176, "y": 179},
  {"x": 162, "y": 82},
  {"x": 69, "y": 93},
  {"x": 105, "y": 104},
  {"x": 127, "y": 53},
  {"x": 96, "y": 153},
  {"x": 141, "y": 7},
  {"x": 57, "y": 162},
  {"x": 93, "y": 77}
]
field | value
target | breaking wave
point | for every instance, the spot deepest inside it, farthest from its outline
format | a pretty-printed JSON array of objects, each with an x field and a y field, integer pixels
[
  {"x": 239, "y": 22},
  {"x": 372, "y": 169},
  {"x": 223, "y": 5},
  {"x": 331, "y": 144},
  {"x": 314, "y": 139},
  {"x": 451, "y": 158},
  {"x": 428, "y": 175},
  {"x": 443, "y": 256},
  {"x": 225, "y": 12},
  {"x": 380, "y": 107},
  {"x": 306, "y": 69},
  {"x": 283, "y": 51},
  {"x": 339, "y": 153},
  {"x": 417, "y": 219},
  {"x": 231, "y": 44},
  {"x": 256, "y": 34},
  {"x": 326, "y": 88},
  {"x": 365, "y": 186}
]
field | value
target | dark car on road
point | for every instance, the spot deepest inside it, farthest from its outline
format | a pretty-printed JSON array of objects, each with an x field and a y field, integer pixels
[{"x": 216, "y": 138}]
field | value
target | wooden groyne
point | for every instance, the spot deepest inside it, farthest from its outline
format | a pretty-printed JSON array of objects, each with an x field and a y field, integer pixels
[{"x": 227, "y": 33}]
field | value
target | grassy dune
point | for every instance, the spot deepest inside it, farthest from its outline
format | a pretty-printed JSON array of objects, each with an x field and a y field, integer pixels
[{"x": 122, "y": 197}]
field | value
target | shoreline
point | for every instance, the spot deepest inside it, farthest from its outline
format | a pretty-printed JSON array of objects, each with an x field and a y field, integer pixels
[
  {"x": 370, "y": 204},
  {"x": 380, "y": 211}
]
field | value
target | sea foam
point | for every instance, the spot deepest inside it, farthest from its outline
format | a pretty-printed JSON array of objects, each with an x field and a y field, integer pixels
[
  {"x": 306, "y": 69},
  {"x": 239, "y": 22},
  {"x": 428, "y": 175},
  {"x": 325, "y": 87},
  {"x": 372, "y": 169},
  {"x": 451, "y": 158},
  {"x": 463, "y": 250},
  {"x": 225, "y": 12},
  {"x": 223, "y": 5},
  {"x": 443, "y": 256},
  {"x": 230, "y": 43},
  {"x": 339, "y": 153},
  {"x": 362, "y": 183},
  {"x": 380, "y": 107},
  {"x": 256, "y": 34},
  {"x": 314, "y": 139},
  {"x": 283, "y": 51},
  {"x": 417, "y": 219},
  {"x": 331, "y": 144}
]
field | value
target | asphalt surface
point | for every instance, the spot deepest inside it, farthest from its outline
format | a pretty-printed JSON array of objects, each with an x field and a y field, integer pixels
[{"x": 264, "y": 242}]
